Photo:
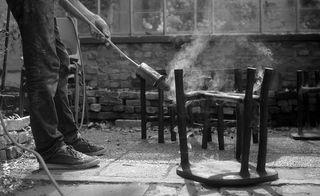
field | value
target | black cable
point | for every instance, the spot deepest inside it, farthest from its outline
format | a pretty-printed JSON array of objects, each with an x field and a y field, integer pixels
[{"x": 33, "y": 152}]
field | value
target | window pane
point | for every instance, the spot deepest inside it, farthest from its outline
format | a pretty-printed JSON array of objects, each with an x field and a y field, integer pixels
[
  {"x": 92, "y": 5},
  {"x": 180, "y": 5},
  {"x": 180, "y": 22},
  {"x": 117, "y": 14},
  {"x": 309, "y": 15},
  {"x": 310, "y": 19},
  {"x": 147, "y": 5},
  {"x": 310, "y": 4},
  {"x": 204, "y": 15},
  {"x": 236, "y": 16},
  {"x": 180, "y": 18},
  {"x": 278, "y": 15},
  {"x": 147, "y": 17},
  {"x": 148, "y": 23},
  {"x": 203, "y": 22}
]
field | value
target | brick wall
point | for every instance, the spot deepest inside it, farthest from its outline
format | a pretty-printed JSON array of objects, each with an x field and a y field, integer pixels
[
  {"x": 105, "y": 69},
  {"x": 20, "y": 132}
]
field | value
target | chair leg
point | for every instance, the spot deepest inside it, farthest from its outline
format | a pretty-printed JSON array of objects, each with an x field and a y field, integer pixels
[
  {"x": 143, "y": 114},
  {"x": 220, "y": 126},
  {"x": 172, "y": 123},
  {"x": 160, "y": 117},
  {"x": 206, "y": 125}
]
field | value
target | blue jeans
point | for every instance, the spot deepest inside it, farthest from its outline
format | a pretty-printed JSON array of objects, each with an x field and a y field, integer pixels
[{"x": 46, "y": 62}]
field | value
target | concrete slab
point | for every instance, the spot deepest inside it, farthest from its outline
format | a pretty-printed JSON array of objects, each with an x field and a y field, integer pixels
[
  {"x": 193, "y": 188},
  {"x": 76, "y": 173},
  {"x": 162, "y": 190},
  {"x": 136, "y": 170},
  {"x": 299, "y": 190},
  {"x": 296, "y": 161},
  {"x": 248, "y": 191},
  {"x": 133, "y": 189}
]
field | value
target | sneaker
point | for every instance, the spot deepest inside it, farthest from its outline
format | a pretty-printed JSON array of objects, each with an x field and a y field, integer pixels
[
  {"x": 84, "y": 146},
  {"x": 68, "y": 158}
]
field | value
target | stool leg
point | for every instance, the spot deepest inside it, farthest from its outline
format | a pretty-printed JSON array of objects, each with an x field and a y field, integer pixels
[
  {"x": 143, "y": 108},
  {"x": 306, "y": 100},
  {"x": 160, "y": 117},
  {"x": 240, "y": 129},
  {"x": 220, "y": 126},
  {"x": 247, "y": 121},
  {"x": 300, "y": 102},
  {"x": 255, "y": 122},
  {"x": 262, "y": 153},
  {"x": 317, "y": 83},
  {"x": 181, "y": 119}
]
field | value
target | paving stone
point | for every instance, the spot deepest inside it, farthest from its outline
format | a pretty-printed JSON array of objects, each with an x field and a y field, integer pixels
[
  {"x": 248, "y": 191},
  {"x": 135, "y": 170},
  {"x": 161, "y": 190},
  {"x": 193, "y": 189},
  {"x": 298, "y": 190},
  {"x": 132, "y": 189},
  {"x": 292, "y": 174}
]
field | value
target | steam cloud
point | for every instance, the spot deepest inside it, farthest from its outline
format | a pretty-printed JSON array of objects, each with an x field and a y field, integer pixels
[{"x": 224, "y": 53}]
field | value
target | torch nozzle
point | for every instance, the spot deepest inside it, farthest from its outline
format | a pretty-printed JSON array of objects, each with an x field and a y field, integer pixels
[{"x": 158, "y": 80}]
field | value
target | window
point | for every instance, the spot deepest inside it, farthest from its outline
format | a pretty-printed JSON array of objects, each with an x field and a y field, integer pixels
[{"x": 186, "y": 17}]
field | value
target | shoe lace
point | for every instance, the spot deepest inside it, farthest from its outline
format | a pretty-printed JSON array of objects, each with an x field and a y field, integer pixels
[
  {"x": 82, "y": 140},
  {"x": 72, "y": 151}
]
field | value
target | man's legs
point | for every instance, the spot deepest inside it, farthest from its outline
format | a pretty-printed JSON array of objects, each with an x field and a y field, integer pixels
[
  {"x": 67, "y": 124},
  {"x": 36, "y": 24}
]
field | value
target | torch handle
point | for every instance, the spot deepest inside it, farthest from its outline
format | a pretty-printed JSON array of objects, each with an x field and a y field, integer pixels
[{"x": 83, "y": 17}]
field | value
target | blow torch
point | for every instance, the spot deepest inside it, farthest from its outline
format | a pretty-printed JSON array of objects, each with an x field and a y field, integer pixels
[{"x": 143, "y": 70}]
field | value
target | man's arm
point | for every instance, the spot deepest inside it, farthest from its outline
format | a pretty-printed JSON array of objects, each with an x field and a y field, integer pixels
[{"x": 73, "y": 6}]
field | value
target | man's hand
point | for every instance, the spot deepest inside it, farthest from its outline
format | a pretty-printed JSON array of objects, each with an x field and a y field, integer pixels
[{"x": 103, "y": 27}]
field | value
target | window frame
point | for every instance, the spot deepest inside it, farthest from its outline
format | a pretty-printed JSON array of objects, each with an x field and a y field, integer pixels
[{"x": 298, "y": 30}]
